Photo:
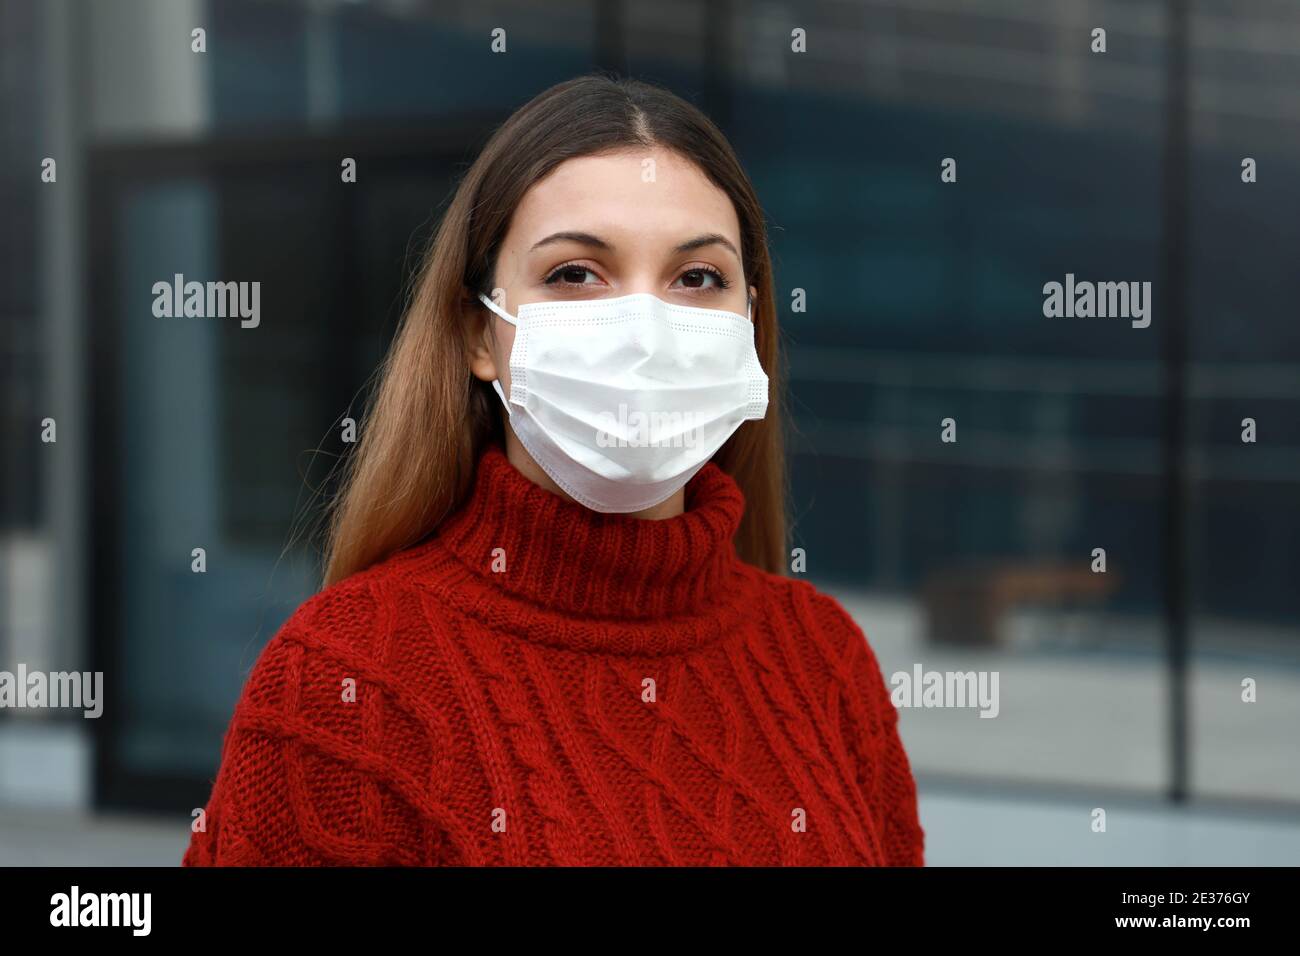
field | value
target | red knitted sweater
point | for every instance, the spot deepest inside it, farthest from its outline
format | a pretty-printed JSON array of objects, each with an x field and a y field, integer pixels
[{"x": 538, "y": 683}]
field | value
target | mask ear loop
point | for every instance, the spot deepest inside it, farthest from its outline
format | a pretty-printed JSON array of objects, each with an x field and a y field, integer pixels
[
  {"x": 496, "y": 382},
  {"x": 497, "y": 309}
]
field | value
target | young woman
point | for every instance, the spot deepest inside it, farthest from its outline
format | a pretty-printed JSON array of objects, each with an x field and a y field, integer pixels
[{"x": 555, "y": 627}]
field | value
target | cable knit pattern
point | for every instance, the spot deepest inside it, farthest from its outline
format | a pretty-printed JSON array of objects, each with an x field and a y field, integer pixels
[{"x": 540, "y": 684}]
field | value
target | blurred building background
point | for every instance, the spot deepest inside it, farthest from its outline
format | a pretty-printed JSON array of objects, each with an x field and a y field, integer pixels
[{"x": 924, "y": 303}]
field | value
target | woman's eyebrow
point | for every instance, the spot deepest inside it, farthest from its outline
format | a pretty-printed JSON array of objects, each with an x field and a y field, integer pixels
[
  {"x": 587, "y": 239},
  {"x": 711, "y": 239},
  {"x": 584, "y": 238}
]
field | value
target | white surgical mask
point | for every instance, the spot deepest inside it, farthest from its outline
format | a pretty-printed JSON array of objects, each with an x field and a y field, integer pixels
[{"x": 621, "y": 401}]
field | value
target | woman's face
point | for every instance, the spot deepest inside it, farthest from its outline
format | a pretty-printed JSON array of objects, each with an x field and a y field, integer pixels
[{"x": 599, "y": 227}]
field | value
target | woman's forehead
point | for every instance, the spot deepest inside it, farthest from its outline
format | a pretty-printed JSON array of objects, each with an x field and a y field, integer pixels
[{"x": 633, "y": 195}]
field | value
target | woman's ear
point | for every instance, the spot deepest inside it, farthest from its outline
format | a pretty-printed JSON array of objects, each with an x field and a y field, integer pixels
[{"x": 482, "y": 363}]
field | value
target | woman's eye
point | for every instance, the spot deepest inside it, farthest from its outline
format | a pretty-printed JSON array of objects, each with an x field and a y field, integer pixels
[
  {"x": 570, "y": 275},
  {"x": 702, "y": 279}
]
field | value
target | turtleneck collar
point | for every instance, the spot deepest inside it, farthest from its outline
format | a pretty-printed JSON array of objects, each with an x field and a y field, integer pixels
[{"x": 584, "y": 571}]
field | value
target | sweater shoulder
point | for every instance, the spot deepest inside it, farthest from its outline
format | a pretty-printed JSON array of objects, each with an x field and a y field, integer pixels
[
  {"x": 829, "y": 641},
  {"x": 869, "y": 722},
  {"x": 328, "y": 740},
  {"x": 347, "y": 609},
  {"x": 332, "y": 677},
  {"x": 815, "y": 611},
  {"x": 349, "y": 617},
  {"x": 830, "y": 615}
]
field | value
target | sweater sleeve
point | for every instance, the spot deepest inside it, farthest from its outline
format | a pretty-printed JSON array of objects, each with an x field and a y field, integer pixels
[
  {"x": 871, "y": 721},
  {"x": 301, "y": 781}
]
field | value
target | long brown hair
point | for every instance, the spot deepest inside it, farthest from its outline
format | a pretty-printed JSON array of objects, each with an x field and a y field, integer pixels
[{"x": 429, "y": 418}]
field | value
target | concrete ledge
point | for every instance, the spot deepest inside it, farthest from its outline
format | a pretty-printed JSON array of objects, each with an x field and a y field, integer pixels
[{"x": 963, "y": 830}]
